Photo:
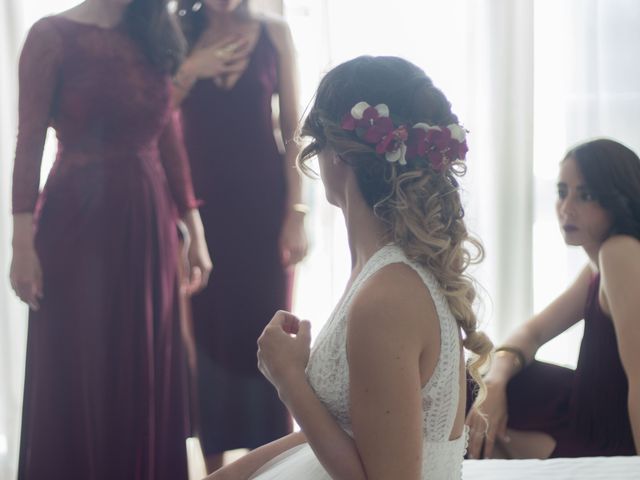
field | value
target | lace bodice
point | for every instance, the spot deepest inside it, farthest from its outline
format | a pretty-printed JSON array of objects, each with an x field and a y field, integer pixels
[
  {"x": 328, "y": 371},
  {"x": 105, "y": 100}
]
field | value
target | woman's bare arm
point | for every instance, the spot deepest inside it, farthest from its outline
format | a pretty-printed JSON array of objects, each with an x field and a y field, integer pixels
[
  {"x": 293, "y": 238},
  {"x": 619, "y": 260},
  {"x": 390, "y": 321},
  {"x": 562, "y": 313}
]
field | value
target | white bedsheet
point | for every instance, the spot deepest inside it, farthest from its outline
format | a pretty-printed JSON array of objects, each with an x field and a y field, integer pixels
[{"x": 593, "y": 468}]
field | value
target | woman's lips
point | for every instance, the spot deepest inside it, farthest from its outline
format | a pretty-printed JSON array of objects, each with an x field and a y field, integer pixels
[{"x": 570, "y": 228}]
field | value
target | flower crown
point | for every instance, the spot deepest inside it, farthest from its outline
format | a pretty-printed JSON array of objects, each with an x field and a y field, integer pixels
[{"x": 439, "y": 145}]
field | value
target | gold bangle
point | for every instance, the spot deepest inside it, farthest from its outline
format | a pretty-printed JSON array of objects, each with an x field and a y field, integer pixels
[
  {"x": 516, "y": 354},
  {"x": 300, "y": 208}
]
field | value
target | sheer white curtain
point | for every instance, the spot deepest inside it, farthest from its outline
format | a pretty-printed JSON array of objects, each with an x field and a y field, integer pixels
[
  {"x": 15, "y": 18},
  {"x": 12, "y": 315},
  {"x": 528, "y": 79}
]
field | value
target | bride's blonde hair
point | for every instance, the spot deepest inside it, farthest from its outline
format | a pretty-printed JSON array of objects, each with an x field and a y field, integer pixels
[{"x": 419, "y": 204}]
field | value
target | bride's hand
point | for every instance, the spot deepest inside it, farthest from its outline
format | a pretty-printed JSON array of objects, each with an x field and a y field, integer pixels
[{"x": 283, "y": 350}]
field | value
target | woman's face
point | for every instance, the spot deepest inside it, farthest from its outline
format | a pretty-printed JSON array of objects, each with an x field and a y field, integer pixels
[
  {"x": 582, "y": 219},
  {"x": 222, "y": 6}
]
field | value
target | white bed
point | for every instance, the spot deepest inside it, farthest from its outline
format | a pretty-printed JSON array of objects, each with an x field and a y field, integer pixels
[{"x": 594, "y": 468}]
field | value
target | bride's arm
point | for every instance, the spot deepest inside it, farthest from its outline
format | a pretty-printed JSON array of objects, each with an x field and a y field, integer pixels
[
  {"x": 283, "y": 358},
  {"x": 393, "y": 330},
  {"x": 388, "y": 322},
  {"x": 243, "y": 468}
]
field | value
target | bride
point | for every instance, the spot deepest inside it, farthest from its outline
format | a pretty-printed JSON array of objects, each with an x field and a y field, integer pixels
[{"x": 381, "y": 395}]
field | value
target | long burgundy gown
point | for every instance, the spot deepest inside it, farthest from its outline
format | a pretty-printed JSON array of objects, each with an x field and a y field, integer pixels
[
  {"x": 239, "y": 174},
  {"x": 105, "y": 375}
]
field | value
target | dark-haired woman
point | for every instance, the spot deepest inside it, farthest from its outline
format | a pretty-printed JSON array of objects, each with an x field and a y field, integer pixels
[
  {"x": 382, "y": 393},
  {"x": 252, "y": 215},
  {"x": 94, "y": 253},
  {"x": 537, "y": 410}
]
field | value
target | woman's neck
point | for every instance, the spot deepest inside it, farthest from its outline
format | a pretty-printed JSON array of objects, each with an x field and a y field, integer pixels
[
  {"x": 101, "y": 13},
  {"x": 593, "y": 252},
  {"x": 226, "y": 21},
  {"x": 365, "y": 231}
]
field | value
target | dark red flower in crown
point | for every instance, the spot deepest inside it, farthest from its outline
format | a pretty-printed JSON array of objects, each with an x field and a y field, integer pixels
[
  {"x": 440, "y": 145},
  {"x": 371, "y": 123}
]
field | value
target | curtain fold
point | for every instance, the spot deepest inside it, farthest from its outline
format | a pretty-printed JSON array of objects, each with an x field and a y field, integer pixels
[
  {"x": 13, "y": 323},
  {"x": 499, "y": 191}
]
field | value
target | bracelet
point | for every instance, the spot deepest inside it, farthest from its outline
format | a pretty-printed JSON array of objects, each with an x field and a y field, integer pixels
[
  {"x": 516, "y": 353},
  {"x": 300, "y": 208}
]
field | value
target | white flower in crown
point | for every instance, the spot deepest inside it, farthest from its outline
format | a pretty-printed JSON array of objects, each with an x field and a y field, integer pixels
[
  {"x": 397, "y": 155},
  {"x": 426, "y": 127},
  {"x": 457, "y": 132}
]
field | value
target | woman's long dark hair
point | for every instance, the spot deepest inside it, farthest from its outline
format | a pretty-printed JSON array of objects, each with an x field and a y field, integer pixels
[
  {"x": 193, "y": 20},
  {"x": 612, "y": 174},
  {"x": 153, "y": 27}
]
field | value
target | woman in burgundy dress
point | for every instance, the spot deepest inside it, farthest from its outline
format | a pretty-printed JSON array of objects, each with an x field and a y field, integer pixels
[
  {"x": 537, "y": 410},
  {"x": 251, "y": 213},
  {"x": 95, "y": 253}
]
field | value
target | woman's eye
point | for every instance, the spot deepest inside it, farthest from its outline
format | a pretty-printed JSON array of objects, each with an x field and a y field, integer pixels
[
  {"x": 587, "y": 197},
  {"x": 562, "y": 194}
]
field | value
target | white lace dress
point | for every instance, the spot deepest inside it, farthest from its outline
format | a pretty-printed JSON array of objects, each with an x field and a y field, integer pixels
[{"x": 328, "y": 374}]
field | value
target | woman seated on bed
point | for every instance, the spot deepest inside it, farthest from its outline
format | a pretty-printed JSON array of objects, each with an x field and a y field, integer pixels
[
  {"x": 537, "y": 410},
  {"x": 382, "y": 393}
]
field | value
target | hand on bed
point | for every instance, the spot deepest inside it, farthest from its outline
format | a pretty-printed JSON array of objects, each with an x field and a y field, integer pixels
[
  {"x": 283, "y": 350},
  {"x": 488, "y": 423}
]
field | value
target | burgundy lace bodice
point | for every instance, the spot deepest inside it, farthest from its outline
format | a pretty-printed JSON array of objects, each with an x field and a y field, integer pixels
[{"x": 105, "y": 100}]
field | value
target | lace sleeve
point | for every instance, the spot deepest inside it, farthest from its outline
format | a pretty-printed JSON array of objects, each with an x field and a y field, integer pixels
[
  {"x": 176, "y": 165},
  {"x": 38, "y": 74}
]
